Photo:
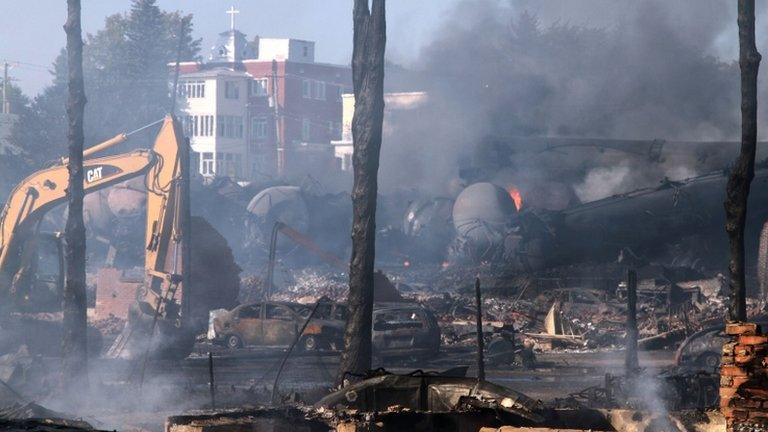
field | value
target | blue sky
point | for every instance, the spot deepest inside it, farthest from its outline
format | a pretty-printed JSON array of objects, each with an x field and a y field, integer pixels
[{"x": 31, "y": 31}]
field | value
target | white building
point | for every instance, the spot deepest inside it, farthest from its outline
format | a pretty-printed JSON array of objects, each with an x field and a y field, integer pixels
[
  {"x": 259, "y": 109},
  {"x": 214, "y": 108}
]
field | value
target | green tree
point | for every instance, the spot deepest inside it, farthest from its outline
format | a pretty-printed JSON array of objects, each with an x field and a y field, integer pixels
[
  {"x": 127, "y": 85},
  {"x": 12, "y": 155}
]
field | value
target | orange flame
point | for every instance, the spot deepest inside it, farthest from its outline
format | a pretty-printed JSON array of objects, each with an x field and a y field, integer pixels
[{"x": 517, "y": 197}]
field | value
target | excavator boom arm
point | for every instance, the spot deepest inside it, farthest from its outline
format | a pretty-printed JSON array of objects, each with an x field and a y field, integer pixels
[
  {"x": 45, "y": 189},
  {"x": 166, "y": 204}
]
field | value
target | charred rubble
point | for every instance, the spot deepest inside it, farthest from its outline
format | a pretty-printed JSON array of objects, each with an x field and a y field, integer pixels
[{"x": 512, "y": 290}]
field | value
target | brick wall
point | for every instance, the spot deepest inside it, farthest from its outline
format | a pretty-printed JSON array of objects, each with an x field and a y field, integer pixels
[{"x": 744, "y": 378}]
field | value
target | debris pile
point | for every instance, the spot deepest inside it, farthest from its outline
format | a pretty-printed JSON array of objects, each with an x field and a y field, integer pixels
[
  {"x": 382, "y": 391},
  {"x": 557, "y": 309},
  {"x": 309, "y": 285},
  {"x": 109, "y": 327},
  {"x": 562, "y": 308}
]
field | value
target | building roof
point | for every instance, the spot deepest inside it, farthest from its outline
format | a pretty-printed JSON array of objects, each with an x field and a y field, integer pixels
[
  {"x": 231, "y": 47},
  {"x": 215, "y": 72}
]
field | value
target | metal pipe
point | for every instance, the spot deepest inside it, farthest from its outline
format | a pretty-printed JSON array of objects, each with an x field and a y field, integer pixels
[
  {"x": 115, "y": 140},
  {"x": 269, "y": 285},
  {"x": 211, "y": 383},
  {"x": 630, "y": 362},
  {"x": 480, "y": 341},
  {"x": 290, "y": 350},
  {"x": 180, "y": 36}
]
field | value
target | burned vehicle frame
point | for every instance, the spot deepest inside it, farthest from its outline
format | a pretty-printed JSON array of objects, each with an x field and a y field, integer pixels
[
  {"x": 404, "y": 331},
  {"x": 703, "y": 349},
  {"x": 277, "y": 324}
]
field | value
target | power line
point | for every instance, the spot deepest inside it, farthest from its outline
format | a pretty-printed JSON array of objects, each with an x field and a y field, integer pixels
[{"x": 26, "y": 64}]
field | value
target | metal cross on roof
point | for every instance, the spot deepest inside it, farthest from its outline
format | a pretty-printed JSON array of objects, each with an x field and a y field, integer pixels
[{"x": 232, "y": 12}]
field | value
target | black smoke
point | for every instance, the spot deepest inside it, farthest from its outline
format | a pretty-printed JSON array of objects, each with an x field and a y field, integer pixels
[{"x": 589, "y": 69}]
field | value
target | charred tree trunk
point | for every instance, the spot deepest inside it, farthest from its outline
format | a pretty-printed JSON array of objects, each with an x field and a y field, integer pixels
[
  {"x": 743, "y": 171},
  {"x": 74, "y": 349},
  {"x": 368, "y": 82}
]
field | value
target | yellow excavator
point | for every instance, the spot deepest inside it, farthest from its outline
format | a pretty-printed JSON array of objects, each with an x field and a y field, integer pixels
[{"x": 160, "y": 307}]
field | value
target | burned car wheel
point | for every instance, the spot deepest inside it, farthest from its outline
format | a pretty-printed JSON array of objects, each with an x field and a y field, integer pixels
[
  {"x": 309, "y": 343},
  {"x": 233, "y": 341},
  {"x": 710, "y": 360}
]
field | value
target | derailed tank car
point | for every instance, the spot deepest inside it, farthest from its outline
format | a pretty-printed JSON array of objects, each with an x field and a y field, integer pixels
[
  {"x": 676, "y": 223},
  {"x": 488, "y": 227},
  {"x": 649, "y": 221}
]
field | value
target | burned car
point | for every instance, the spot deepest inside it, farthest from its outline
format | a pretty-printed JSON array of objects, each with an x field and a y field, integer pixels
[
  {"x": 404, "y": 331},
  {"x": 278, "y": 324},
  {"x": 703, "y": 349}
]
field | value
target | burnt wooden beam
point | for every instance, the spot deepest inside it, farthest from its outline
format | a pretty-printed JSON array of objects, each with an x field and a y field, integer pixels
[{"x": 631, "y": 363}]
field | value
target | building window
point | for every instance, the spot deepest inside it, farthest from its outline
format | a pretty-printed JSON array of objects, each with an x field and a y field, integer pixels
[
  {"x": 259, "y": 87},
  {"x": 334, "y": 130},
  {"x": 228, "y": 164},
  {"x": 229, "y": 126},
  {"x": 207, "y": 164},
  {"x": 219, "y": 162},
  {"x": 305, "y": 129},
  {"x": 339, "y": 92},
  {"x": 306, "y": 89},
  {"x": 319, "y": 90},
  {"x": 198, "y": 125},
  {"x": 231, "y": 90},
  {"x": 192, "y": 89},
  {"x": 305, "y": 51},
  {"x": 238, "y": 125},
  {"x": 258, "y": 128},
  {"x": 238, "y": 166}
]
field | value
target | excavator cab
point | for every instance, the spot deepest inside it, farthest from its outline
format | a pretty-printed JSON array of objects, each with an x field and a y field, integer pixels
[
  {"x": 35, "y": 273},
  {"x": 47, "y": 285}
]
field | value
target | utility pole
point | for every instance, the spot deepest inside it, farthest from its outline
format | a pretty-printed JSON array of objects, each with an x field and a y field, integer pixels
[
  {"x": 276, "y": 114},
  {"x": 6, "y": 103}
]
